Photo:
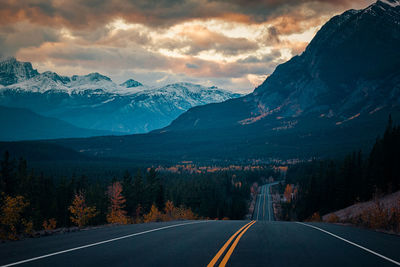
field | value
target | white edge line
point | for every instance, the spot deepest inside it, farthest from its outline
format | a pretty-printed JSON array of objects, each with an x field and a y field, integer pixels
[
  {"x": 98, "y": 243},
  {"x": 352, "y": 243},
  {"x": 259, "y": 203},
  {"x": 265, "y": 201},
  {"x": 269, "y": 203}
]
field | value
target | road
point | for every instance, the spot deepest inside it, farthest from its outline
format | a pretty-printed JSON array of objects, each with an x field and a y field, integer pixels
[
  {"x": 209, "y": 243},
  {"x": 263, "y": 209}
]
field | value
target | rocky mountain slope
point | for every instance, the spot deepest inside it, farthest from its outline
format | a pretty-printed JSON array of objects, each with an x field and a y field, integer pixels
[
  {"x": 94, "y": 101},
  {"x": 350, "y": 69}
]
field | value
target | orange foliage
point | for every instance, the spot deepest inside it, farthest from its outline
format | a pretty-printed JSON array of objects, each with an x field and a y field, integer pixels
[
  {"x": 11, "y": 222},
  {"x": 332, "y": 218},
  {"x": 116, "y": 214},
  {"x": 170, "y": 213},
  {"x": 185, "y": 214},
  {"x": 50, "y": 224},
  {"x": 154, "y": 215},
  {"x": 81, "y": 213},
  {"x": 288, "y": 193},
  {"x": 315, "y": 217}
]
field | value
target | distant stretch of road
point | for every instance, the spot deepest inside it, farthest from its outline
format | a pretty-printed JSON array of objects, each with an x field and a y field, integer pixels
[
  {"x": 209, "y": 243},
  {"x": 263, "y": 208}
]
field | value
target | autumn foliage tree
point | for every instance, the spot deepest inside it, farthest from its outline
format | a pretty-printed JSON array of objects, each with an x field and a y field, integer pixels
[
  {"x": 116, "y": 213},
  {"x": 12, "y": 224},
  {"x": 81, "y": 213},
  {"x": 154, "y": 215},
  {"x": 288, "y": 193},
  {"x": 170, "y": 213},
  {"x": 49, "y": 224}
]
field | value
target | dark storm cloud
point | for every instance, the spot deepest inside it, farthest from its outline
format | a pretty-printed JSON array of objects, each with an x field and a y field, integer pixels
[
  {"x": 91, "y": 13},
  {"x": 20, "y": 35}
]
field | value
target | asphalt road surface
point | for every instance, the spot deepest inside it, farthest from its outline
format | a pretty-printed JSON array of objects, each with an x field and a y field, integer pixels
[
  {"x": 209, "y": 243},
  {"x": 263, "y": 208}
]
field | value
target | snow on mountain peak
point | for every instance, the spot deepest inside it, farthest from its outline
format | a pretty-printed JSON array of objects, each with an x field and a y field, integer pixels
[
  {"x": 27, "y": 79},
  {"x": 13, "y": 71},
  {"x": 91, "y": 77},
  {"x": 131, "y": 83},
  {"x": 55, "y": 77}
]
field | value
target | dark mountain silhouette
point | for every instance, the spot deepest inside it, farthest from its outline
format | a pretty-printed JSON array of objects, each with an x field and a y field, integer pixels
[{"x": 23, "y": 124}]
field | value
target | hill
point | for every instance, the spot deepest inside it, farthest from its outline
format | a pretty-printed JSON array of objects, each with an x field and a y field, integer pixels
[{"x": 23, "y": 124}]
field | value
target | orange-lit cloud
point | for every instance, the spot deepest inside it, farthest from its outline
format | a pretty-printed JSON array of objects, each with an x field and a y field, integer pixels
[{"x": 230, "y": 43}]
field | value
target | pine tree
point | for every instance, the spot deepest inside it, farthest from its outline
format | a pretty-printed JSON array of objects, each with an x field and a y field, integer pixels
[
  {"x": 7, "y": 182},
  {"x": 138, "y": 190},
  {"x": 128, "y": 192}
]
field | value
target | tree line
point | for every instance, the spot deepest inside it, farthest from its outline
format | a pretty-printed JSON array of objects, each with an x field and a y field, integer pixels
[
  {"x": 324, "y": 186},
  {"x": 31, "y": 201}
]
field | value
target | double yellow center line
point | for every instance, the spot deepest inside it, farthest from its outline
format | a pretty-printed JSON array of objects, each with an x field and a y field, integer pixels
[{"x": 239, "y": 235}]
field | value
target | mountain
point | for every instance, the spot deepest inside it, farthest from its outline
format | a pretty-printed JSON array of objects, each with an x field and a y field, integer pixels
[
  {"x": 350, "y": 69},
  {"x": 94, "y": 101},
  {"x": 13, "y": 71},
  {"x": 131, "y": 83},
  {"x": 23, "y": 124},
  {"x": 333, "y": 98}
]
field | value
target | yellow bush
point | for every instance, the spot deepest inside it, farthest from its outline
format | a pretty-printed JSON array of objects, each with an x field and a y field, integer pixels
[
  {"x": 153, "y": 216},
  {"x": 11, "y": 222},
  {"x": 81, "y": 213}
]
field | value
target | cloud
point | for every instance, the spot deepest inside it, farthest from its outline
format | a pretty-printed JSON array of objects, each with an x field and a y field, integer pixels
[
  {"x": 273, "y": 56},
  {"x": 225, "y": 42},
  {"x": 198, "y": 38},
  {"x": 81, "y": 14},
  {"x": 191, "y": 66},
  {"x": 22, "y": 34}
]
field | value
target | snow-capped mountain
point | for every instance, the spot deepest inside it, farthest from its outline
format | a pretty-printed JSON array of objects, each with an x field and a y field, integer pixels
[
  {"x": 131, "y": 83},
  {"x": 13, "y": 71},
  {"x": 94, "y": 101}
]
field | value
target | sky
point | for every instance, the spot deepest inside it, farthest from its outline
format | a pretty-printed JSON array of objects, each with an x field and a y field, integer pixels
[{"x": 232, "y": 44}]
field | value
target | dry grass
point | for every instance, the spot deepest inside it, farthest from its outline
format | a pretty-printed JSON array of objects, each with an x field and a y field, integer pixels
[{"x": 382, "y": 214}]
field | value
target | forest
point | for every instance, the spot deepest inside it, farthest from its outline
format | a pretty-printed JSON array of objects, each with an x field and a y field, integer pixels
[
  {"x": 31, "y": 201},
  {"x": 324, "y": 186}
]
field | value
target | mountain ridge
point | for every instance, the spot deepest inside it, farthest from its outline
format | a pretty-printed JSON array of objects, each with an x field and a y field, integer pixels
[
  {"x": 94, "y": 101},
  {"x": 328, "y": 84},
  {"x": 23, "y": 124},
  {"x": 333, "y": 98}
]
